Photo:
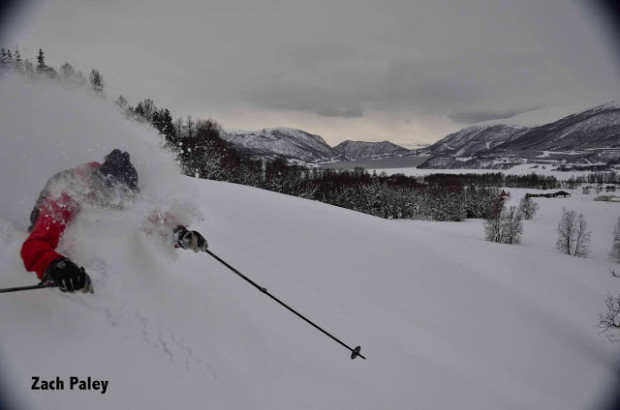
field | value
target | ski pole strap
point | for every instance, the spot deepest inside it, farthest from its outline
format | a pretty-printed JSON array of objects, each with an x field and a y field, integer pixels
[
  {"x": 41, "y": 285},
  {"x": 354, "y": 352}
]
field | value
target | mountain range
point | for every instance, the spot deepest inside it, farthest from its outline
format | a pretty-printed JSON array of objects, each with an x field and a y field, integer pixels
[
  {"x": 290, "y": 144},
  {"x": 587, "y": 137},
  {"x": 300, "y": 146}
]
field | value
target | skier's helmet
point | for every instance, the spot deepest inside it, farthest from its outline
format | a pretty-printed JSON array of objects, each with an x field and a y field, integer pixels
[{"x": 118, "y": 169}]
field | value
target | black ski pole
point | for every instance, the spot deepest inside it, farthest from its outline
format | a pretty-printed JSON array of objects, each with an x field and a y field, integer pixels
[
  {"x": 41, "y": 285},
  {"x": 354, "y": 352}
]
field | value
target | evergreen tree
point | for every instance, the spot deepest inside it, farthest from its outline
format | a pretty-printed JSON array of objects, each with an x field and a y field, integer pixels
[
  {"x": 42, "y": 69},
  {"x": 156, "y": 120},
  {"x": 18, "y": 63},
  {"x": 41, "y": 61},
  {"x": 168, "y": 128},
  {"x": 4, "y": 61}
]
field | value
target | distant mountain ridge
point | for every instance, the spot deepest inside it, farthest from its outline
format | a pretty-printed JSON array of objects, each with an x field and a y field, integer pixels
[
  {"x": 598, "y": 127},
  {"x": 287, "y": 143},
  {"x": 588, "y": 137},
  {"x": 297, "y": 145},
  {"x": 471, "y": 140},
  {"x": 370, "y": 150}
]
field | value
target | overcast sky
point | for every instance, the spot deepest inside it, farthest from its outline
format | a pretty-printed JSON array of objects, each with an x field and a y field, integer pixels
[{"x": 402, "y": 70}]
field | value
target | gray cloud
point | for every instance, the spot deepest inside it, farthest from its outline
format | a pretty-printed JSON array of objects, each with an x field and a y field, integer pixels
[{"x": 461, "y": 60}]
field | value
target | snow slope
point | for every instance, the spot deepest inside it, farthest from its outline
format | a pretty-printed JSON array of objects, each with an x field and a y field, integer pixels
[
  {"x": 445, "y": 319},
  {"x": 537, "y": 117}
]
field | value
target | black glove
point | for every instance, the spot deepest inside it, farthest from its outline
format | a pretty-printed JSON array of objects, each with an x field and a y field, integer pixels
[
  {"x": 68, "y": 276},
  {"x": 186, "y": 239}
]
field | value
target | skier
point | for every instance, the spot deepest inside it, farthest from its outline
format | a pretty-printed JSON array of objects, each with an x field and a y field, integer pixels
[{"x": 110, "y": 185}]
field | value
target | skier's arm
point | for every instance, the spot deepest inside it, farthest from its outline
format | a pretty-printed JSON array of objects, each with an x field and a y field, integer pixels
[
  {"x": 172, "y": 230},
  {"x": 38, "y": 251},
  {"x": 186, "y": 239}
]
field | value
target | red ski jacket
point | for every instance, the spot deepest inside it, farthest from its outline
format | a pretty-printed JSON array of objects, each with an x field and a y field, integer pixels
[{"x": 56, "y": 211}]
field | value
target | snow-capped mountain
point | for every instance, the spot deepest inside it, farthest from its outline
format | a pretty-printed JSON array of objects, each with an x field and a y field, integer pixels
[
  {"x": 288, "y": 143},
  {"x": 589, "y": 136},
  {"x": 297, "y": 145},
  {"x": 598, "y": 127},
  {"x": 471, "y": 140},
  {"x": 370, "y": 150}
]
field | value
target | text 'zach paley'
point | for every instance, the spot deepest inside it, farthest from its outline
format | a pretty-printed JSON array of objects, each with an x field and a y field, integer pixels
[{"x": 75, "y": 383}]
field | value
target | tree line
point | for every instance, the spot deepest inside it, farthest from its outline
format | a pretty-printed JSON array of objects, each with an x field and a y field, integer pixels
[
  {"x": 12, "y": 62},
  {"x": 203, "y": 153}
]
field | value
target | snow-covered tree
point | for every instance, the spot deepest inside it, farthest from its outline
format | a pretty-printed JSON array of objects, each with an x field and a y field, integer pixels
[
  {"x": 5, "y": 61},
  {"x": 29, "y": 68},
  {"x": 573, "y": 234},
  {"x": 96, "y": 81},
  {"x": 18, "y": 63},
  {"x": 41, "y": 61}
]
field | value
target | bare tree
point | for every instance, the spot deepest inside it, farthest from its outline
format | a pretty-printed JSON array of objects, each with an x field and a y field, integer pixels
[
  {"x": 191, "y": 126},
  {"x": 178, "y": 127},
  {"x": 67, "y": 71},
  {"x": 505, "y": 226},
  {"x": 527, "y": 207},
  {"x": 29, "y": 68},
  {"x": 610, "y": 320},
  {"x": 573, "y": 234},
  {"x": 615, "y": 247},
  {"x": 122, "y": 103},
  {"x": 146, "y": 109}
]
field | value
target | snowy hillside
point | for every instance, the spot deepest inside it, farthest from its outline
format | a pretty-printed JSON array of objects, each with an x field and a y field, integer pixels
[
  {"x": 284, "y": 142},
  {"x": 471, "y": 140},
  {"x": 536, "y": 117},
  {"x": 598, "y": 127},
  {"x": 446, "y": 320},
  {"x": 370, "y": 150},
  {"x": 586, "y": 131}
]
